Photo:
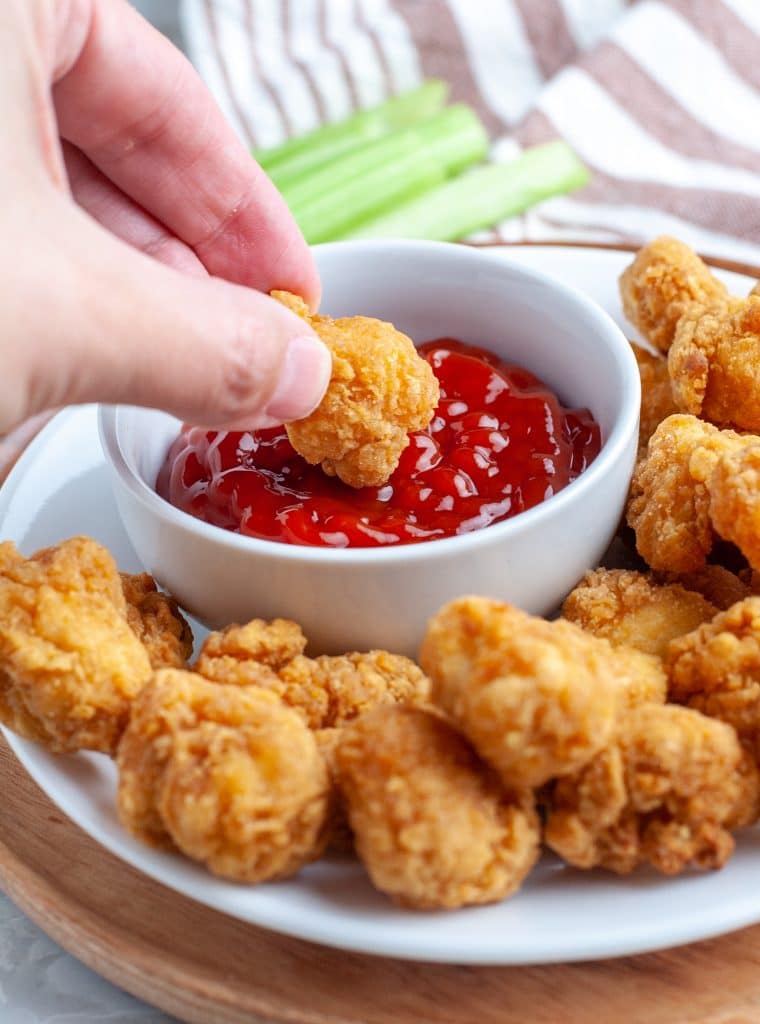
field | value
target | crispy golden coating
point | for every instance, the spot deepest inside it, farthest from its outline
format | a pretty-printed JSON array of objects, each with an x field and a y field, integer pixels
[
  {"x": 536, "y": 699},
  {"x": 656, "y": 398},
  {"x": 714, "y": 363},
  {"x": 656, "y": 288},
  {"x": 69, "y": 662},
  {"x": 157, "y": 622},
  {"x": 716, "y": 584},
  {"x": 735, "y": 500},
  {"x": 340, "y": 838},
  {"x": 716, "y": 669},
  {"x": 327, "y": 691},
  {"x": 665, "y": 792},
  {"x": 669, "y": 507},
  {"x": 379, "y": 392},
  {"x": 632, "y": 608},
  {"x": 227, "y": 774},
  {"x": 641, "y": 677},
  {"x": 432, "y": 824}
]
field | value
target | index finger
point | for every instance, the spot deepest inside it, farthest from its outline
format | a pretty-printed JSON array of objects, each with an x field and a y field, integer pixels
[{"x": 136, "y": 107}]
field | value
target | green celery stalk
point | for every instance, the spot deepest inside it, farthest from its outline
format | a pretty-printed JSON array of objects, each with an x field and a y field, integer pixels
[
  {"x": 338, "y": 137},
  {"x": 336, "y": 198},
  {"x": 482, "y": 197},
  {"x": 330, "y": 210}
]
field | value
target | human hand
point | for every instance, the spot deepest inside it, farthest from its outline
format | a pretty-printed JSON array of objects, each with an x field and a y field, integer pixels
[{"x": 134, "y": 254}]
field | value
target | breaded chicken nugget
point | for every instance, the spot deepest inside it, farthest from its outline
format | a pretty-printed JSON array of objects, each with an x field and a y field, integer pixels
[
  {"x": 665, "y": 792},
  {"x": 714, "y": 363},
  {"x": 669, "y": 506},
  {"x": 379, "y": 392},
  {"x": 715, "y": 583},
  {"x": 664, "y": 278},
  {"x": 716, "y": 669},
  {"x": 327, "y": 691},
  {"x": 632, "y": 608},
  {"x": 640, "y": 677},
  {"x": 69, "y": 662},
  {"x": 536, "y": 699},
  {"x": 227, "y": 774},
  {"x": 656, "y": 398},
  {"x": 735, "y": 500},
  {"x": 157, "y": 622},
  {"x": 432, "y": 824}
]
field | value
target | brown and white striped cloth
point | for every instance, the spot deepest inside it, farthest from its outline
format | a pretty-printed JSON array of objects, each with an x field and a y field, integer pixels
[{"x": 660, "y": 98}]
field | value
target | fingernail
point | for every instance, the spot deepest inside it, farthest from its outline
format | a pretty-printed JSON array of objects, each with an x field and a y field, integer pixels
[{"x": 304, "y": 377}]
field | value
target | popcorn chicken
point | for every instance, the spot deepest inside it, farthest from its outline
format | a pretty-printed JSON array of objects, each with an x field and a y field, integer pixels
[
  {"x": 432, "y": 824},
  {"x": 663, "y": 279},
  {"x": 226, "y": 774},
  {"x": 380, "y": 391},
  {"x": 666, "y": 792},
  {"x": 69, "y": 663}
]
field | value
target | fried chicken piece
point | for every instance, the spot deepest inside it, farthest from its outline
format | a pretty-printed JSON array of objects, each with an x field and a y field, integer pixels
[
  {"x": 669, "y": 506},
  {"x": 632, "y": 608},
  {"x": 340, "y": 838},
  {"x": 663, "y": 279},
  {"x": 536, "y": 699},
  {"x": 665, "y": 792},
  {"x": 226, "y": 774},
  {"x": 69, "y": 663},
  {"x": 716, "y": 669},
  {"x": 714, "y": 363},
  {"x": 380, "y": 391},
  {"x": 327, "y": 691},
  {"x": 718, "y": 585},
  {"x": 656, "y": 398},
  {"x": 735, "y": 500},
  {"x": 157, "y": 622},
  {"x": 432, "y": 824}
]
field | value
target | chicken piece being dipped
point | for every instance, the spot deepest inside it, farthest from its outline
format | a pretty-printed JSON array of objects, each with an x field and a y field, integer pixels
[{"x": 380, "y": 391}]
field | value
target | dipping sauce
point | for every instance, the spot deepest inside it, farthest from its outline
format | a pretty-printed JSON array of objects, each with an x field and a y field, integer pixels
[{"x": 500, "y": 442}]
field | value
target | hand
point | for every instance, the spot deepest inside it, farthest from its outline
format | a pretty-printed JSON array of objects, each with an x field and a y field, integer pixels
[{"x": 134, "y": 254}]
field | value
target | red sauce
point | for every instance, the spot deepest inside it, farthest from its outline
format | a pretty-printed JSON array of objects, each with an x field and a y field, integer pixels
[{"x": 499, "y": 443}]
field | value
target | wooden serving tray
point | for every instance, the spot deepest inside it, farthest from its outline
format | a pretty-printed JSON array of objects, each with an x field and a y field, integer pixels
[{"x": 206, "y": 968}]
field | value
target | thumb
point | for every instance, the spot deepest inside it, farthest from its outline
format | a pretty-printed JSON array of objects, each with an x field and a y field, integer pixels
[{"x": 139, "y": 332}]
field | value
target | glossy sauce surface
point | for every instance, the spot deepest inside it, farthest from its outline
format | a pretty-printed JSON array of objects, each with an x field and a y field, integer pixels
[{"x": 500, "y": 442}]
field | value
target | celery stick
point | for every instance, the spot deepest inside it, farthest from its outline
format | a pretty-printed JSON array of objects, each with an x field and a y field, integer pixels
[
  {"x": 336, "y": 199},
  {"x": 329, "y": 211},
  {"x": 330, "y": 140},
  {"x": 436, "y": 129},
  {"x": 482, "y": 197},
  {"x": 453, "y": 139}
]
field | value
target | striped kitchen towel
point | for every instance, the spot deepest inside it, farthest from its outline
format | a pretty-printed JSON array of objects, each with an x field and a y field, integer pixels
[{"x": 660, "y": 98}]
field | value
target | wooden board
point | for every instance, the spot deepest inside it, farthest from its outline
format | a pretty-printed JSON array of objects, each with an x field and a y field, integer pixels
[{"x": 206, "y": 968}]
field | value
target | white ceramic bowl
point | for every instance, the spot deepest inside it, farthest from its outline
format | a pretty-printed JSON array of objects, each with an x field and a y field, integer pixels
[{"x": 357, "y": 599}]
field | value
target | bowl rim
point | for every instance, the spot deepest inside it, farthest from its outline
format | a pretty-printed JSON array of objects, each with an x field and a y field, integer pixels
[{"x": 614, "y": 448}]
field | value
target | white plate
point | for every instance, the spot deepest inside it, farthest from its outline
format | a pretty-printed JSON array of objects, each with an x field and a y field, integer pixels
[{"x": 60, "y": 488}]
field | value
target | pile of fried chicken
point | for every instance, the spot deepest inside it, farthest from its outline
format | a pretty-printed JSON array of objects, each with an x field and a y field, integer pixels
[{"x": 625, "y": 732}]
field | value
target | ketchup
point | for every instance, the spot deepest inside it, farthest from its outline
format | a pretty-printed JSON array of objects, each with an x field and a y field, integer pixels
[{"x": 500, "y": 442}]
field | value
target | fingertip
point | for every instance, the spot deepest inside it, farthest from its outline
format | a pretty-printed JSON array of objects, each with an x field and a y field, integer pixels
[{"x": 302, "y": 381}]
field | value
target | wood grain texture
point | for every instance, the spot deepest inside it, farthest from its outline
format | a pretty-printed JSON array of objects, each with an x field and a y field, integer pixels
[{"x": 206, "y": 968}]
